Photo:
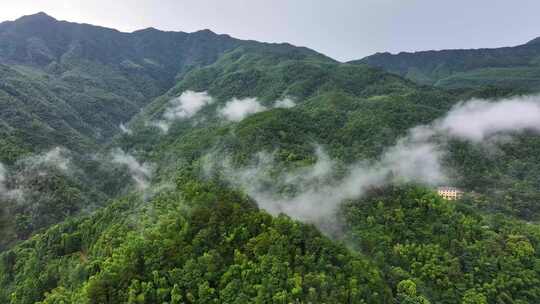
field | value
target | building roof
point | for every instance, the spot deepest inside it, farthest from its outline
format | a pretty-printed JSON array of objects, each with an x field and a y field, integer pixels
[{"x": 452, "y": 189}]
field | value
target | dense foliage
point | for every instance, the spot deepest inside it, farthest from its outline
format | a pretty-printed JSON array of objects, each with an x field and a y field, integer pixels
[
  {"x": 40, "y": 193},
  {"x": 508, "y": 67},
  {"x": 450, "y": 252},
  {"x": 194, "y": 237},
  {"x": 205, "y": 244},
  {"x": 73, "y": 85}
]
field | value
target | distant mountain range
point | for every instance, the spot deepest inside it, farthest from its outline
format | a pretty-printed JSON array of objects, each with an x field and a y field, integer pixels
[{"x": 508, "y": 67}]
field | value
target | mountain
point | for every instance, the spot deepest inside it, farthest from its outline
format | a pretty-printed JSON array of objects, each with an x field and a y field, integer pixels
[
  {"x": 201, "y": 242},
  {"x": 73, "y": 86},
  {"x": 247, "y": 172},
  {"x": 508, "y": 67},
  {"x": 95, "y": 78}
]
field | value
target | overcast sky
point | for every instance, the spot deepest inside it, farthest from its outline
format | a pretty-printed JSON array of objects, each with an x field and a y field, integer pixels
[{"x": 342, "y": 29}]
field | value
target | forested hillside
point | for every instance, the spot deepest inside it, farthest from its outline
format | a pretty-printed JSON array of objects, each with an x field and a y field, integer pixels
[
  {"x": 166, "y": 167},
  {"x": 92, "y": 79},
  {"x": 74, "y": 86},
  {"x": 78, "y": 82},
  {"x": 509, "y": 67}
]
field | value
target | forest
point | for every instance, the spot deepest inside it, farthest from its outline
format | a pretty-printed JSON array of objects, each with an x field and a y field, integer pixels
[{"x": 171, "y": 167}]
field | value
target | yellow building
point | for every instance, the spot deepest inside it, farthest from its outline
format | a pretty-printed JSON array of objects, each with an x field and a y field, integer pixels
[{"x": 450, "y": 193}]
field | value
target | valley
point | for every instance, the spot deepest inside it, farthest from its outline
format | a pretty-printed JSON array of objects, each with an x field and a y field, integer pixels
[{"x": 172, "y": 167}]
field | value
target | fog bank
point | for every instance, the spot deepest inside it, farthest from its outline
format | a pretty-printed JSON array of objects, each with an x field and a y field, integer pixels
[{"x": 416, "y": 157}]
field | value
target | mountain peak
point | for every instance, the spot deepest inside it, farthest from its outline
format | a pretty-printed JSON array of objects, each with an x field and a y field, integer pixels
[
  {"x": 41, "y": 16},
  {"x": 534, "y": 41},
  {"x": 205, "y": 32}
]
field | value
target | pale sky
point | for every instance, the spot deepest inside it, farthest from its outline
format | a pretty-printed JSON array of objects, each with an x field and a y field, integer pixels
[{"x": 342, "y": 29}]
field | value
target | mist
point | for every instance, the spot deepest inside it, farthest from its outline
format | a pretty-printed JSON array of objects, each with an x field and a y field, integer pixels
[
  {"x": 57, "y": 157},
  {"x": 189, "y": 103},
  {"x": 26, "y": 168},
  {"x": 125, "y": 129},
  {"x": 318, "y": 192},
  {"x": 238, "y": 109},
  {"x": 6, "y": 193},
  {"x": 477, "y": 120},
  {"x": 140, "y": 173},
  {"x": 286, "y": 103},
  {"x": 417, "y": 157},
  {"x": 184, "y": 106},
  {"x": 3, "y": 173}
]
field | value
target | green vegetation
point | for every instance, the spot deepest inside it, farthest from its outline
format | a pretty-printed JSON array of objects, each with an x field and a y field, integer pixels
[
  {"x": 72, "y": 85},
  {"x": 84, "y": 236},
  {"x": 200, "y": 244},
  {"x": 42, "y": 194},
  {"x": 204, "y": 243},
  {"x": 509, "y": 67},
  {"x": 450, "y": 252}
]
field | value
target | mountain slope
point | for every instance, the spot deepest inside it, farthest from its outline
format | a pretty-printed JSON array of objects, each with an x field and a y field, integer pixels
[
  {"x": 73, "y": 85},
  {"x": 31, "y": 110},
  {"x": 510, "y": 67},
  {"x": 186, "y": 247},
  {"x": 98, "y": 77},
  {"x": 196, "y": 236},
  {"x": 354, "y": 112},
  {"x": 201, "y": 242}
]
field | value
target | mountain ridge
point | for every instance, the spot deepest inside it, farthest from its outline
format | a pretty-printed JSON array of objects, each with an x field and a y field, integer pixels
[
  {"x": 96, "y": 70},
  {"x": 509, "y": 67}
]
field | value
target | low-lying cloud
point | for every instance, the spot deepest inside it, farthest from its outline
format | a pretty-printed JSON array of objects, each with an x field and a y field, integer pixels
[
  {"x": 190, "y": 103},
  {"x": 57, "y": 157},
  {"x": 17, "y": 181},
  {"x": 416, "y": 157},
  {"x": 5, "y": 192},
  {"x": 318, "y": 193},
  {"x": 477, "y": 120},
  {"x": 140, "y": 173},
  {"x": 238, "y": 109},
  {"x": 183, "y": 107},
  {"x": 187, "y": 105},
  {"x": 286, "y": 103}
]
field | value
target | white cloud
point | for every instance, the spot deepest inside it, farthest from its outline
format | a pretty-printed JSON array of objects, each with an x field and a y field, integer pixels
[
  {"x": 286, "y": 103},
  {"x": 190, "y": 103},
  {"x": 187, "y": 105},
  {"x": 238, "y": 109},
  {"x": 184, "y": 106},
  {"x": 5, "y": 193},
  {"x": 57, "y": 157},
  {"x": 478, "y": 119},
  {"x": 416, "y": 157},
  {"x": 319, "y": 193},
  {"x": 36, "y": 164},
  {"x": 140, "y": 173}
]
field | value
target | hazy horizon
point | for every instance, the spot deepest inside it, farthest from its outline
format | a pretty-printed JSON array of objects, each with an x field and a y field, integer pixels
[{"x": 344, "y": 29}]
